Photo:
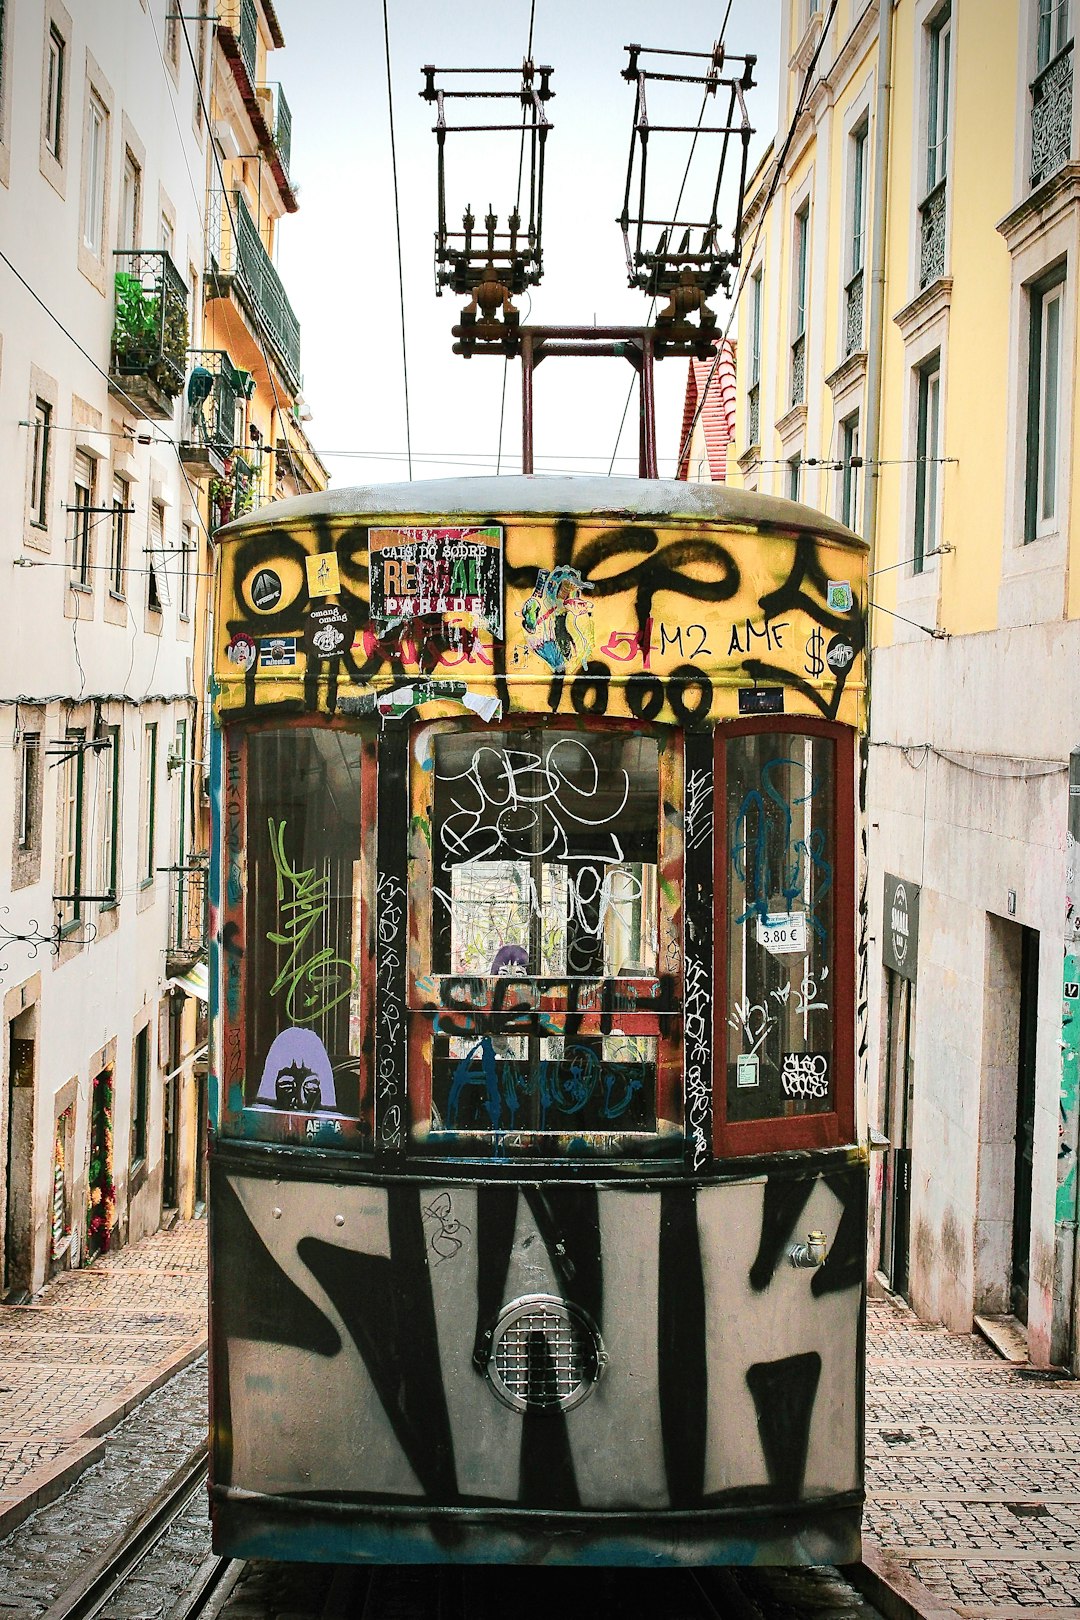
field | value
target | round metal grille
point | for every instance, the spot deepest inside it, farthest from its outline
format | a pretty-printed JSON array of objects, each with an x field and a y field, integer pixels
[{"x": 544, "y": 1354}]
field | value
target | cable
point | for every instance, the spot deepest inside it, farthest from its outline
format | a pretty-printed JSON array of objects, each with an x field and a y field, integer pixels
[
  {"x": 397, "y": 226},
  {"x": 961, "y": 760},
  {"x": 774, "y": 182},
  {"x": 517, "y": 209}
]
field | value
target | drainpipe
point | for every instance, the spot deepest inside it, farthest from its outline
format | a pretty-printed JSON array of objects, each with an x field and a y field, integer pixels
[
  {"x": 1063, "y": 1345},
  {"x": 876, "y": 328}
]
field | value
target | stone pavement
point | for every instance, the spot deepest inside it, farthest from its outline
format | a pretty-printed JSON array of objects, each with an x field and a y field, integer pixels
[
  {"x": 85, "y": 1351},
  {"x": 972, "y": 1475}
]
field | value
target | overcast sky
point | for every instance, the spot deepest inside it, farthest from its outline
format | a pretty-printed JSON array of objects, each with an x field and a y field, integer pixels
[{"x": 338, "y": 255}]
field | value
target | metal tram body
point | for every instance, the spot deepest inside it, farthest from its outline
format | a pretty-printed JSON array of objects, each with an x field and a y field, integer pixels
[{"x": 537, "y": 1201}]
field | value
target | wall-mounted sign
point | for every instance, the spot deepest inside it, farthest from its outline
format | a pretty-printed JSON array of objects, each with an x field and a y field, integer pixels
[
  {"x": 761, "y": 700},
  {"x": 900, "y": 926},
  {"x": 418, "y": 572}
]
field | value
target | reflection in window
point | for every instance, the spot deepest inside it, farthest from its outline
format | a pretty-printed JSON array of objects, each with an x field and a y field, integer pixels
[
  {"x": 303, "y": 921},
  {"x": 781, "y": 925}
]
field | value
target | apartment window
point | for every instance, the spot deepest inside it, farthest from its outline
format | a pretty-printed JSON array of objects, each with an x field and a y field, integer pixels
[
  {"x": 1044, "y": 407},
  {"x": 157, "y": 550},
  {"x": 55, "y": 91},
  {"x": 172, "y": 32},
  {"x": 110, "y": 812},
  {"x": 71, "y": 827},
  {"x": 94, "y": 165},
  {"x": 167, "y": 235},
  {"x": 130, "y": 202},
  {"x": 187, "y": 546},
  {"x": 28, "y": 830},
  {"x": 753, "y": 392},
  {"x": 800, "y": 247},
  {"x": 857, "y": 238},
  {"x": 121, "y": 511},
  {"x": 80, "y": 518},
  {"x": 937, "y": 108},
  {"x": 849, "y": 476},
  {"x": 794, "y": 469},
  {"x": 1054, "y": 32},
  {"x": 148, "y": 807},
  {"x": 200, "y": 70},
  {"x": 927, "y": 463},
  {"x": 140, "y": 1096},
  {"x": 39, "y": 466}
]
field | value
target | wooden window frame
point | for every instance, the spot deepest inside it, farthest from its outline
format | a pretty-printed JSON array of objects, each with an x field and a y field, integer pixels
[{"x": 740, "y": 1138}]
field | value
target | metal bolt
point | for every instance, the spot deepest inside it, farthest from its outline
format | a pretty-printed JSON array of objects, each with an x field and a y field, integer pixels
[{"x": 339, "y": 1220}]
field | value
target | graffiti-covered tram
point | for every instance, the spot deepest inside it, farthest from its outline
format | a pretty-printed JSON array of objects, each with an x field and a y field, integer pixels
[{"x": 537, "y": 1200}]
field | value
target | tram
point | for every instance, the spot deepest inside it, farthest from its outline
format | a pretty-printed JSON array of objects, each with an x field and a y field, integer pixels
[{"x": 537, "y": 1195}]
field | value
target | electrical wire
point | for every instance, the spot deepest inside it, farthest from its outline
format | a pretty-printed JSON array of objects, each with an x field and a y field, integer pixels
[
  {"x": 774, "y": 182},
  {"x": 517, "y": 209},
  {"x": 397, "y": 226}
]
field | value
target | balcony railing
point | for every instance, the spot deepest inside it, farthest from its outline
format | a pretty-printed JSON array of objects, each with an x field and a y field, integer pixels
[
  {"x": 237, "y": 257},
  {"x": 278, "y": 116},
  {"x": 1051, "y": 116},
  {"x": 238, "y": 490},
  {"x": 932, "y": 235},
  {"x": 187, "y": 915},
  {"x": 853, "y": 315},
  {"x": 241, "y": 19},
  {"x": 150, "y": 328},
  {"x": 798, "y": 370},
  {"x": 214, "y": 386}
]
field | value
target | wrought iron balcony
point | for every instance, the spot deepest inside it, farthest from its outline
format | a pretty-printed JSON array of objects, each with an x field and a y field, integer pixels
[
  {"x": 932, "y": 235},
  {"x": 277, "y": 116},
  {"x": 187, "y": 915},
  {"x": 214, "y": 385},
  {"x": 239, "y": 262},
  {"x": 1051, "y": 116},
  {"x": 238, "y": 490},
  {"x": 753, "y": 414},
  {"x": 798, "y": 370},
  {"x": 853, "y": 315},
  {"x": 240, "y": 19},
  {"x": 150, "y": 330}
]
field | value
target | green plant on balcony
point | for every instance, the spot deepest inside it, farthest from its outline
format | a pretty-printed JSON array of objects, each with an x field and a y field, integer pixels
[{"x": 143, "y": 341}]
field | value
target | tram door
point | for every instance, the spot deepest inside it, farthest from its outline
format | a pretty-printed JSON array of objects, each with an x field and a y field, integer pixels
[{"x": 899, "y": 1079}]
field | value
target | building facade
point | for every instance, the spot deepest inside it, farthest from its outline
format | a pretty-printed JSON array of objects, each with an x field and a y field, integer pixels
[
  {"x": 107, "y": 141},
  {"x": 908, "y": 332}
]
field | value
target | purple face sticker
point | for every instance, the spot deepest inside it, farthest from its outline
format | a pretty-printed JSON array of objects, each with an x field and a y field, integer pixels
[
  {"x": 297, "y": 1075},
  {"x": 510, "y": 961}
]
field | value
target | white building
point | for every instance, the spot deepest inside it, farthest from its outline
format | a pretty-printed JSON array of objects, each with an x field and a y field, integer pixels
[{"x": 103, "y": 162}]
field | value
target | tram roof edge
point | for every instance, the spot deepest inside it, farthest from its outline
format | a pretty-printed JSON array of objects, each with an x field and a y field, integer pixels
[{"x": 549, "y": 496}]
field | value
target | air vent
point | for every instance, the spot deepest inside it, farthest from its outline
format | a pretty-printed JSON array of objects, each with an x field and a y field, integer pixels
[{"x": 545, "y": 1355}]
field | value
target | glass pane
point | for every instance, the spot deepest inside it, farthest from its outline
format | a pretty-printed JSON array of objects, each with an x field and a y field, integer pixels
[
  {"x": 552, "y": 1083},
  {"x": 304, "y": 921},
  {"x": 1051, "y": 349},
  {"x": 933, "y": 464},
  {"x": 780, "y": 925},
  {"x": 545, "y": 854}
]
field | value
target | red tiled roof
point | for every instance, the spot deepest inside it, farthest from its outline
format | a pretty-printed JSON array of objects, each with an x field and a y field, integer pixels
[{"x": 717, "y": 418}]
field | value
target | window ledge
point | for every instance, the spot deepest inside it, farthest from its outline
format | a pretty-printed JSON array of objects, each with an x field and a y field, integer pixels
[
  {"x": 117, "y": 596},
  {"x": 852, "y": 369},
  {"x": 927, "y": 307},
  {"x": 791, "y": 423},
  {"x": 77, "y": 585},
  {"x": 804, "y": 50},
  {"x": 750, "y": 457},
  {"x": 1043, "y": 208}
]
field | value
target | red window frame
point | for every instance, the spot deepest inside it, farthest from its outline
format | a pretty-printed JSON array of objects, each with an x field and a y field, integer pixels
[{"x": 738, "y": 1138}]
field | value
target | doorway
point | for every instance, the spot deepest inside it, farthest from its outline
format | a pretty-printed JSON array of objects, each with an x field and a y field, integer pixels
[
  {"x": 899, "y": 1083},
  {"x": 19, "y": 1153},
  {"x": 102, "y": 1193},
  {"x": 1025, "y": 1121}
]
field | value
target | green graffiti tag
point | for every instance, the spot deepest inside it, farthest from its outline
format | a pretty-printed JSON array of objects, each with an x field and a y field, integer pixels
[{"x": 315, "y": 983}]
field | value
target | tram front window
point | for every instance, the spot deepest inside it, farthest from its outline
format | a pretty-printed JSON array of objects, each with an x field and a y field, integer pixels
[{"x": 546, "y": 913}]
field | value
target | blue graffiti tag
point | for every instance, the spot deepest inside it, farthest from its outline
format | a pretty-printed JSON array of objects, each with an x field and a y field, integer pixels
[
  {"x": 562, "y": 1086},
  {"x": 750, "y": 848}
]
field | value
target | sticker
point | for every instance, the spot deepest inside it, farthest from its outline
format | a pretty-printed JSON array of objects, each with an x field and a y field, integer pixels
[
  {"x": 277, "y": 652},
  {"x": 322, "y": 574},
  {"x": 329, "y": 630},
  {"x": 746, "y": 1069},
  {"x": 839, "y": 654},
  {"x": 266, "y": 590},
  {"x": 414, "y": 573},
  {"x": 783, "y": 933},
  {"x": 557, "y": 619},
  {"x": 805, "y": 1075},
  {"x": 241, "y": 650},
  {"x": 1072, "y": 990},
  {"x": 761, "y": 700},
  {"x": 297, "y": 1075},
  {"x": 839, "y": 598}
]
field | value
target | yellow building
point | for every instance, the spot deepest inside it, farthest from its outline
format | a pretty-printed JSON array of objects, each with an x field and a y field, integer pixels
[{"x": 907, "y": 338}]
